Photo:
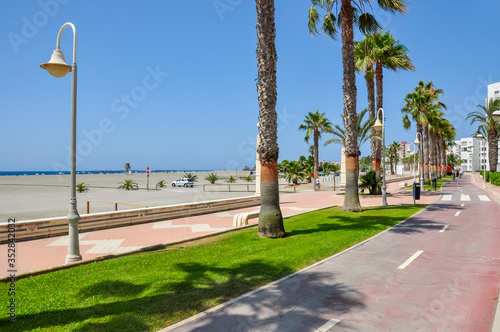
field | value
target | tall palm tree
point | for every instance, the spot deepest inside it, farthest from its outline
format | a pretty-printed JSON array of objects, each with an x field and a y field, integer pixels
[
  {"x": 364, "y": 60},
  {"x": 351, "y": 12},
  {"x": 393, "y": 152},
  {"x": 314, "y": 124},
  {"x": 387, "y": 53},
  {"x": 491, "y": 128},
  {"x": 270, "y": 217}
]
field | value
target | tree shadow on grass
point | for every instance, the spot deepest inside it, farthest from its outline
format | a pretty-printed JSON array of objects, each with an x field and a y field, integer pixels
[
  {"x": 202, "y": 286},
  {"x": 112, "y": 288}
]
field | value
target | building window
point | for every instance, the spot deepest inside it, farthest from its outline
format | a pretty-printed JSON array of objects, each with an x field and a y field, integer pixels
[{"x": 496, "y": 94}]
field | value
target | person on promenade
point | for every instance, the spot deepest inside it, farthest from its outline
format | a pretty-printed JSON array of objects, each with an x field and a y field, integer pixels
[{"x": 317, "y": 184}]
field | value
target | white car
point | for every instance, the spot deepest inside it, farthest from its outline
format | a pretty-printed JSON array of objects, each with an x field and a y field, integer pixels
[{"x": 184, "y": 182}]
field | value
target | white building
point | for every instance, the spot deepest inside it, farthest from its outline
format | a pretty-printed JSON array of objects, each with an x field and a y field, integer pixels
[{"x": 472, "y": 152}]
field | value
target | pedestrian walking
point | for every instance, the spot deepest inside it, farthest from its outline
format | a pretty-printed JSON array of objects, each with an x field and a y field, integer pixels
[
  {"x": 461, "y": 173},
  {"x": 317, "y": 184}
]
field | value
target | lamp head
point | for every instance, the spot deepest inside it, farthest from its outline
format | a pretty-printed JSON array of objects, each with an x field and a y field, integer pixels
[
  {"x": 417, "y": 142},
  {"x": 480, "y": 137},
  {"x": 378, "y": 125},
  {"x": 57, "y": 65},
  {"x": 496, "y": 115}
]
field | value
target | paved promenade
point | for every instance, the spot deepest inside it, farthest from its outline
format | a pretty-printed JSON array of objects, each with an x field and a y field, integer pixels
[{"x": 47, "y": 253}]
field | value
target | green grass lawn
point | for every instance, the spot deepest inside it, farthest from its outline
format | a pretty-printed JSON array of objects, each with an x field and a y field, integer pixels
[{"x": 149, "y": 291}]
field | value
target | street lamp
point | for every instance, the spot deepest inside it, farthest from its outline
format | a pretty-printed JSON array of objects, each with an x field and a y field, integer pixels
[
  {"x": 58, "y": 67},
  {"x": 415, "y": 144},
  {"x": 496, "y": 115},
  {"x": 378, "y": 126},
  {"x": 481, "y": 138},
  {"x": 420, "y": 159}
]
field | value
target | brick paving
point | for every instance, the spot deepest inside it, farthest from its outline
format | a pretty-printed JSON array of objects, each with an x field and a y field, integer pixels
[{"x": 47, "y": 253}]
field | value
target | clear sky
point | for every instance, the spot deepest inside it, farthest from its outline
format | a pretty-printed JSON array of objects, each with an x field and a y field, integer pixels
[{"x": 171, "y": 85}]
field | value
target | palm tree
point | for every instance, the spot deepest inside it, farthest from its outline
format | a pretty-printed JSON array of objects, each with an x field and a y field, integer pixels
[
  {"x": 128, "y": 185},
  {"x": 490, "y": 127},
  {"x": 315, "y": 123},
  {"x": 351, "y": 12},
  {"x": 393, "y": 152},
  {"x": 369, "y": 180},
  {"x": 270, "y": 217},
  {"x": 364, "y": 60},
  {"x": 295, "y": 172},
  {"x": 384, "y": 51},
  {"x": 388, "y": 53},
  {"x": 192, "y": 176},
  {"x": 363, "y": 130},
  {"x": 212, "y": 178}
]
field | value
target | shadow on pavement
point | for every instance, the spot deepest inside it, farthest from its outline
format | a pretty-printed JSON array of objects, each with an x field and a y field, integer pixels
[{"x": 302, "y": 303}]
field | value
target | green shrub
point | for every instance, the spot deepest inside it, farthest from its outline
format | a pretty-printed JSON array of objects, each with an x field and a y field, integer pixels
[{"x": 495, "y": 178}]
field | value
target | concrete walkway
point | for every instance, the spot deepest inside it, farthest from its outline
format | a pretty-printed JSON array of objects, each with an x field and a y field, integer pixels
[{"x": 37, "y": 255}]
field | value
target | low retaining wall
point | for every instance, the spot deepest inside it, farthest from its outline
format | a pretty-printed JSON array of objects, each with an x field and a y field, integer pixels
[{"x": 43, "y": 228}]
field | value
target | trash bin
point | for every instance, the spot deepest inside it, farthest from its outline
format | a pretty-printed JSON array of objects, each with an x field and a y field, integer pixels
[
  {"x": 416, "y": 191},
  {"x": 434, "y": 183}
]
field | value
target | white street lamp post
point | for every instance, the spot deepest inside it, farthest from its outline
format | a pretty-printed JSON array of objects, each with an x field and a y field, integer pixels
[
  {"x": 481, "y": 138},
  {"x": 415, "y": 144},
  {"x": 58, "y": 67},
  {"x": 421, "y": 159},
  {"x": 380, "y": 125}
]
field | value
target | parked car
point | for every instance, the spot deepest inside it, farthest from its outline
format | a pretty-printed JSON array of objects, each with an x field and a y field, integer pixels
[{"x": 184, "y": 182}]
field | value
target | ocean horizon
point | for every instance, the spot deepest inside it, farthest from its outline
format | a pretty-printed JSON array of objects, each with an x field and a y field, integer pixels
[{"x": 22, "y": 173}]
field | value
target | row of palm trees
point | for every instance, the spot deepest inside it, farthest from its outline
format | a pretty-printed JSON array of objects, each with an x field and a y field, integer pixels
[
  {"x": 340, "y": 16},
  {"x": 434, "y": 131}
]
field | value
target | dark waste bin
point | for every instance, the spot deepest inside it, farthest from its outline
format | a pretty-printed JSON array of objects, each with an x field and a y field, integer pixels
[
  {"x": 416, "y": 191},
  {"x": 434, "y": 183}
]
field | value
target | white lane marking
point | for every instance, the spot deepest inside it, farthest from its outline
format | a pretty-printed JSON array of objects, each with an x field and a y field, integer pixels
[
  {"x": 456, "y": 214},
  {"x": 447, "y": 197},
  {"x": 484, "y": 198},
  {"x": 409, "y": 260},
  {"x": 465, "y": 198},
  {"x": 328, "y": 325},
  {"x": 444, "y": 228}
]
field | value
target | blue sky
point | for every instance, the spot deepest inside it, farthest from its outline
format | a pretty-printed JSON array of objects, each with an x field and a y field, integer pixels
[{"x": 172, "y": 86}]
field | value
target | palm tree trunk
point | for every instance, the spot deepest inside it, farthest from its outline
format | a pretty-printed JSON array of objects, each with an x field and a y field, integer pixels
[
  {"x": 420, "y": 152},
  {"x": 426, "y": 153},
  {"x": 270, "y": 217},
  {"x": 370, "y": 87},
  {"x": 379, "y": 77},
  {"x": 316, "y": 156},
  {"x": 432, "y": 147},
  {"x": 493, "y": 149},
  {"x": 351, "y": 199}
]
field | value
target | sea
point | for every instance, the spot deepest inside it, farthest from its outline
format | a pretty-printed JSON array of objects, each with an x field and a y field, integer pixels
[{"x": 18, "y": 173}]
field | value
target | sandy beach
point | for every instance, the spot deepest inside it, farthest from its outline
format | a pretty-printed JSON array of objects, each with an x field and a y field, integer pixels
[{"x": 43, "y": 196}]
